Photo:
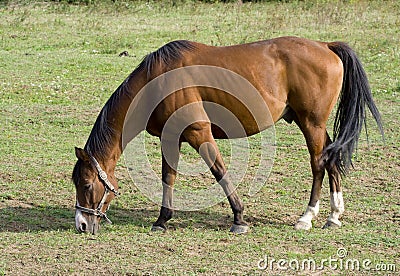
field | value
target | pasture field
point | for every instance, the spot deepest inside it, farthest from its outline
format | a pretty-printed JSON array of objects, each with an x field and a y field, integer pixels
[{"x": 59, "y": 64}]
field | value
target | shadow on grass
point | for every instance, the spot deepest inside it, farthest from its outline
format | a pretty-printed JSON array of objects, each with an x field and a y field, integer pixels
[{"x": 36, "y": 218}]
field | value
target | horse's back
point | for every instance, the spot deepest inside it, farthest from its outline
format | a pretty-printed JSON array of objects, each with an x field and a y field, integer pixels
[
  {"x": 286, "y": 71},
  {"x": 276, "y": 66}
]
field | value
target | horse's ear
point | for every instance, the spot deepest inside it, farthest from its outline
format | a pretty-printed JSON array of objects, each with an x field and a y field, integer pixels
[{"x": 81, "y": 154}]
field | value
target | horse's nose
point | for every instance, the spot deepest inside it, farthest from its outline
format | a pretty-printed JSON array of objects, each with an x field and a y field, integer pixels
[
  {"x": 82, "y": 227},
  {"x": 95, "y": 228},
  {"x": 81, "y": 223}
]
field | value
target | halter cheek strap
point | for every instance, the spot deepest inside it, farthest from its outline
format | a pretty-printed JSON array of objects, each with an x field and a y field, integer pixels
[
  {"x": 108, "y": 187},
  {"x": 103, "y": 176}
]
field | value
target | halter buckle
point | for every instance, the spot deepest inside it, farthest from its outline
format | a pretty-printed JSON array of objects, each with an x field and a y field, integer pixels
[{"x": 103, "y": 175}]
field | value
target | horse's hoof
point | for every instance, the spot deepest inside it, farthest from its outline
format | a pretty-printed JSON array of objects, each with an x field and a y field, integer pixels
[
  {"x": 239, "y": 229},
  {"x": 301, "y": 225},
  {"x": 158, "y": 228},
  {"x": 331, "y": 225}
]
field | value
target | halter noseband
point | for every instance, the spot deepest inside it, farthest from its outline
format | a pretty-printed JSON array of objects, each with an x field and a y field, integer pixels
[{"x": 108, "y": 187}]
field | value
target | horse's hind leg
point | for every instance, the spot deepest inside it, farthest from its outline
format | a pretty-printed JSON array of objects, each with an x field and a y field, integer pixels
[
  {"x": 199, "y": 136},
  {"x": 315, "y": 137},
  {"x": 337, "y": 204},
  {"x": 170, "y": 158}
]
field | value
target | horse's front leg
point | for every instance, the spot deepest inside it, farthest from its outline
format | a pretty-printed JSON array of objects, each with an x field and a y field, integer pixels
[
  {"x": 199, "y": 136},
  {"x": 170, "y": 158}
]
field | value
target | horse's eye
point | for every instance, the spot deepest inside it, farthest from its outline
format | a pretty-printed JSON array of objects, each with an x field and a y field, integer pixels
[{"x": 87, "y": 187}]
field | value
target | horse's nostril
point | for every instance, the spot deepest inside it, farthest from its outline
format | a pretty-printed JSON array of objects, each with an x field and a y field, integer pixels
[
  {"x": 83, "y": 227},
  {"x": 94, "y": 229}
]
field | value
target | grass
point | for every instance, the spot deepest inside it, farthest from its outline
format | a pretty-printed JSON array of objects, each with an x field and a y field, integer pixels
[{"x": 59, "y": 64}]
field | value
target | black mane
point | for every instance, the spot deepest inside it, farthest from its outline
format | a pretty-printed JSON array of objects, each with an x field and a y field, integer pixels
[
  {"x": 102, "y": 132},
  {"x": 165, "y": 55}
]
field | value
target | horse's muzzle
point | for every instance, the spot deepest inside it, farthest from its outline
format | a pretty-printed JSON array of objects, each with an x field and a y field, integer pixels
[{"x": 86, "y": 223}]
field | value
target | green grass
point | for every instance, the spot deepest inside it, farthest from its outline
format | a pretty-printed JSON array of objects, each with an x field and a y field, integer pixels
[{"x": 59, "y": 64}]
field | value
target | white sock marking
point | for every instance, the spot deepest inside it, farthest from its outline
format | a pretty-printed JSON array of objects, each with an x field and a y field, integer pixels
[
  {"x": 337, "y": 207},
  {"x": 310, "y": 213}
]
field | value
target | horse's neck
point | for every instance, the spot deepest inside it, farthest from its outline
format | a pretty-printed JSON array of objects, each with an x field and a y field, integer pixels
[{"x": 116, "y": 115}]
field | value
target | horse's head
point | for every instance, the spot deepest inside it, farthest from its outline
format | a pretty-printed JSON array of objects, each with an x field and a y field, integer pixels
[{"x": 94, "y": 191}]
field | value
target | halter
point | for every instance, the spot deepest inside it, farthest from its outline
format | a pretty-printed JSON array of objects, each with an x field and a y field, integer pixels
[{"x": 108, "y": 187}]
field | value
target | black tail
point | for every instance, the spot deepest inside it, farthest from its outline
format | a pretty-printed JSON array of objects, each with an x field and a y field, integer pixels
[{"x": 350, "y": 115}]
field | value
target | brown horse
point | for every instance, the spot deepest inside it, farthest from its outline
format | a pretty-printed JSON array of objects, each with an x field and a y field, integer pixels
[{"x": 296, "y": 79}]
